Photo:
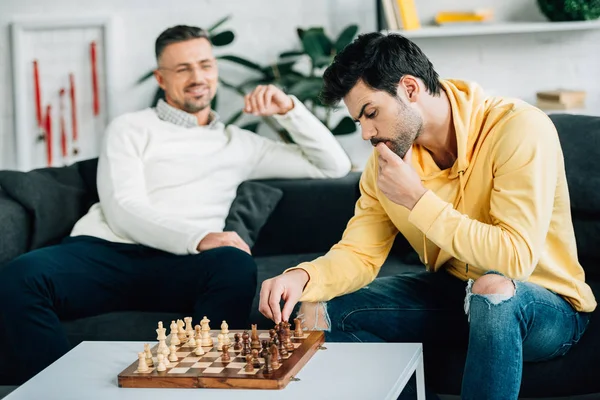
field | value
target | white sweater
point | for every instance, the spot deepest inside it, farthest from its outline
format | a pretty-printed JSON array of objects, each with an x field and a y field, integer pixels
[{"x": 166, "y": 186}]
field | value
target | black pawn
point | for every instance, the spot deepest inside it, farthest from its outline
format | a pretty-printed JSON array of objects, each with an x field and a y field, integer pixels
[
  {"x": 265, "y": 349},
  {"x": 268, "y": 368}
]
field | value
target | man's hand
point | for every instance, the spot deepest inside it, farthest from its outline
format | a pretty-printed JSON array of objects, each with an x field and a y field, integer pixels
[
  {"x": 267, "y": 100},
  {"x": 222, "y": 239},
  {"x": 397, "y": 179},
  {"x": 289, "y": 287}
]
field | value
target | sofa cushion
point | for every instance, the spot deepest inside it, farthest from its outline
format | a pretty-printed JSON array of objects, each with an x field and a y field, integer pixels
[
  {"x": 252, "y": 207},
  {"x": 15, "y": 229},
  {"x": 54, "y": 199}
]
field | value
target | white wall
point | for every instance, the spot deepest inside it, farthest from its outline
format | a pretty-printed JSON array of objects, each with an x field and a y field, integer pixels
[{"x": 514, "y": 65}]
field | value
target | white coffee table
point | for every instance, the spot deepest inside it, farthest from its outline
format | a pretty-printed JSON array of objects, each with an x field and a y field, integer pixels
[{"x": 342, "y": 371}]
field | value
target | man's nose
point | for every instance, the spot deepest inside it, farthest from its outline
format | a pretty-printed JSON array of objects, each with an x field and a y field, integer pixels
[
  {"x": 198, "y": 75},
  {"x": 368, "y": 131}
]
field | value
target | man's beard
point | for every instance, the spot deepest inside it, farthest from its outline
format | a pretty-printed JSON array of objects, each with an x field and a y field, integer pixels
[
  {"x": 194, "y": 106},
  {"x": 405, "y": 132}
]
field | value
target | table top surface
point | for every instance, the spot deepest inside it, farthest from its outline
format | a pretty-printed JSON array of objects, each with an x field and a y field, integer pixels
[{"x": 342, "y": 370}]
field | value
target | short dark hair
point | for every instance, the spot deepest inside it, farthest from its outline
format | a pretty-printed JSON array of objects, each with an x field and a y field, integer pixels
[
  {"x": 176, "y": 34},
  {"x": 380, "y": 61}
]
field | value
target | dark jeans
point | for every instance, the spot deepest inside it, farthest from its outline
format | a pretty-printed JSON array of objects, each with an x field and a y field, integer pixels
[
  {"x": 533, "y": 325},
  {"x": 85, "y": 276}
]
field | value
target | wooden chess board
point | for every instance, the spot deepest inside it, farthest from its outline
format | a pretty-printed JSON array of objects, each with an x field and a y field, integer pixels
[{"x": 209, "y": 371}]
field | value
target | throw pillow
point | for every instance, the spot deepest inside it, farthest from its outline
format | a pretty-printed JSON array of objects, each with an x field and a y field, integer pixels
[
  {"x": 251, "y": 209},
  {"x": 54, "y": 207}
]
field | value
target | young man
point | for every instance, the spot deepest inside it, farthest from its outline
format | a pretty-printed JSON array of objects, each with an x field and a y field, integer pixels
[
  {"x": 477, "y": 186},
  {"x": 166, "y": 179}
]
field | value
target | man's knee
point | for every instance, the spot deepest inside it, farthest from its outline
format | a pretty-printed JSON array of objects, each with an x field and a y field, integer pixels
[
  {"x": 23, "y": 273},
  {"x": 231, "y": 264},
  {"x": 493, "y": 284}
]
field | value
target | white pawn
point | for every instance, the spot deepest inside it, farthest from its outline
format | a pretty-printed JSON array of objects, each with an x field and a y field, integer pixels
[
  {"x": 161, "y": 363},
  {"x": 220, "y": 341},
  {"x": 206, "y": 339},
  {"x": 225, "y": 332},
  {"x": 172, "y": 355},
  {"x": 199, "y": 350},
  {"x": 148, "y": 353},
  {"x": 192, "y": 341},
  {"x": 142, "y": 364},
  {"x": 174, "y": 332}
]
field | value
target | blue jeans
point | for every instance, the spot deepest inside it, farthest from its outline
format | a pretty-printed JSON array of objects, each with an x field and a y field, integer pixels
[{"x": 533, "y": 325}]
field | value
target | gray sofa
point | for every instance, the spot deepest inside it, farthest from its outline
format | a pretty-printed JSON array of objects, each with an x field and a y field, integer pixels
[{"x": 311, "y": 217}]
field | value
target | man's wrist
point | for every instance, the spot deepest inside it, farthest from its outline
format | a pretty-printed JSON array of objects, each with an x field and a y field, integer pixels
[{"x": 418, "y": 195}]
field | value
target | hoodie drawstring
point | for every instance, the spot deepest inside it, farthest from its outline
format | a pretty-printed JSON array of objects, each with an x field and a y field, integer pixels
[{"x": 462, "y": 204}]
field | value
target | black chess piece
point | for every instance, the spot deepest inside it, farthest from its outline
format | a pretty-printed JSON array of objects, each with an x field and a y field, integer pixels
[
  {"x": 237, "y": 346},
  {"x": 265, "y": 348},
  {"x": 268, "y": 368},
  {"x": 245, "y": 344}
]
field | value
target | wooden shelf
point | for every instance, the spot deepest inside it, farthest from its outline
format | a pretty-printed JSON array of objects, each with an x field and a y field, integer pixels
[{"x": 497, "y": 28}]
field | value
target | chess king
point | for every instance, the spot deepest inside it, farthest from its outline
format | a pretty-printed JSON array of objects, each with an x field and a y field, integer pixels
[
  {"x": 477, "y": 186},
  {"x": 157, "y": 239}
]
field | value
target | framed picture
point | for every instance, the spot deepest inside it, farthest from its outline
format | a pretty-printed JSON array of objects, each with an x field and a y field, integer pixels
[{"x": 62, "y": 70}]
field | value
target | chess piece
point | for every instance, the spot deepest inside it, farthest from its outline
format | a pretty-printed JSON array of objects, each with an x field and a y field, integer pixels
[
  {"x": 181, "y": 331},
  {"x": 142, "y": 365},
  {"x": 148, "y": 353},
  {"x": 275, "y": 357},
  {"x": 225, "y": 332},
  {"x": 174, "y": 333},
  {"x": 220, "y": 341},
  {"x": 298, "y": 328},
  {"x": 162, "y": 337},
  {"x": 172, "y": 355},
  {"x": 161, "y": 363},
  {"x": 268, "y": 367},
  {"x": 192, "y": 341},
  {"x": 265, "y": 348},
  {"x": 272, "y": 333},
  {"x": 249, "y": 365},
  {"x": 255, "y": 360},
  {"x": 189, "y": 328},
  {"x": 199, "y": 350},
  {"x": 225, "y": 357},
  {"x": 198, "y": 336},
  {"x": 289, "y": 345},
  {"x": 281, "y": 347},
  {"x": 254, "y": 341},
  {"x": 245, "y": 344},
  {"x": 206, "y": 339},
  {"x": 237, "y": 346}
]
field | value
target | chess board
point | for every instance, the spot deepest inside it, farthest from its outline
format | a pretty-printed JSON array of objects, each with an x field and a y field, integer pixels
[{"x": 209, "y": 371}]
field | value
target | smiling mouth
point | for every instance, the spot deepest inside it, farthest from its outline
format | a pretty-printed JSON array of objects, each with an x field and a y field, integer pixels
[{"x": 197, "y": 91}]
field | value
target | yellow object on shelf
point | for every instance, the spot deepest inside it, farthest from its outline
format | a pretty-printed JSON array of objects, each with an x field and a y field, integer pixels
[
  {"x": 408, "y": 14},
  {"x": 450, "y": 17}
]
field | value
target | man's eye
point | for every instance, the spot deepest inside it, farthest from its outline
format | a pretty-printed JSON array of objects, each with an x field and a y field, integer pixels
[{"x": 372, "y": 115}]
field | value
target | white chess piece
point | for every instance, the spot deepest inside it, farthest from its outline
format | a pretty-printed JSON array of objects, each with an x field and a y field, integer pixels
[
  {"x": 189, "y": 328},
  {"x": 161, "y": 338},
  {"x": 172, "y": 355},
  {"x": 161, "y": 363},
  {"x": 181, "y": 330},
  {"x": 220, "y": 341},
  {"x": 142, "y": 364},
  {"x": 174, "y": 333},
  {"x": 206, "y": 339},
  {"x": 198, "y": 336},
  {"x": 199, "y": 350},
  {"x": 225, "y": 332},
  {"x": 148, "y": 353},
  {"x": 205, "y": 324},
  {"x": 191, "y": 342}
]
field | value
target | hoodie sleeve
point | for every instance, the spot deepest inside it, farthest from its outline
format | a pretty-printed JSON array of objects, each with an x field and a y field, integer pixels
[
  {"x": 526, "y": 156},
  {"x": 354, "y": 261}
]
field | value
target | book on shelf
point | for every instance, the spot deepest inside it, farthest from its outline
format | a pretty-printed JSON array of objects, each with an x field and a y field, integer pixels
[
  {"x": 560, "y": 99},
  {"x": 464, "y": 17},
  {"x": 401, "y": 14}
]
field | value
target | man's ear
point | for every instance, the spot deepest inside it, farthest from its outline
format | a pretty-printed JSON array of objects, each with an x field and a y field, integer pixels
[
  {"x": 409, "y": 87},
  {"x": 159, "y": 78}
]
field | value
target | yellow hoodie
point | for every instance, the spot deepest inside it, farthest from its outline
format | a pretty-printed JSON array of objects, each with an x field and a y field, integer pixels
[{"x": 504, "y": 205}]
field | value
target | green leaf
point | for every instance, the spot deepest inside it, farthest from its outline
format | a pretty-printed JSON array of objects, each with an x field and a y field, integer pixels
[
  {"x": 277, "y": 70},
  {"x": 252, "y": 126},
  {"x": 293, "y": 53},
  {"x": 300, "y": 33},
  {"x": 160, "y": 94},
  {"x": 316, "y": 45},
  {"x": 307, "y": 88},
  {"x": 219, "y": 23},
  {"x": 222, "y": 38},
  {"x": 241, "y": 61},
  {"x": 146, "y": 76},
  {"x": 233, "y": 119},
  {"x": 345, "y": 127},
  {"x": 345, "y": 37}
]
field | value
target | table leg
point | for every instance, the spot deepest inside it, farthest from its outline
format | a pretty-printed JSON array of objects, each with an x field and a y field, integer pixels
[{"x": 420, "y": 373}]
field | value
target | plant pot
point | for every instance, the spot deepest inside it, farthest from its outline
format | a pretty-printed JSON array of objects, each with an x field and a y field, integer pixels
[{"x": 570, "y": 10}]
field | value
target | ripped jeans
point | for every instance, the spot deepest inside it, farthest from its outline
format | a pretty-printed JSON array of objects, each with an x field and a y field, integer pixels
[{"x": 501, "y": 332}]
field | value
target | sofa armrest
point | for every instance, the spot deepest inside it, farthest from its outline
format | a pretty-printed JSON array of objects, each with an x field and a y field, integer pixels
[
  {"x": 15, "y": 227},
  {"x": 310, "y": 217}
]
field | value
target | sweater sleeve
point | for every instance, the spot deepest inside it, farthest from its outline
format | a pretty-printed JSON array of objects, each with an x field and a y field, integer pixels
[
  {"x": 356, "y": 260},
  {"x": 124, "y": 200},
  {"x": 316, "y": 154},
  {"x": 525, "y": 173}
]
